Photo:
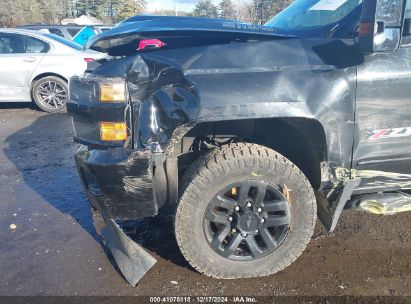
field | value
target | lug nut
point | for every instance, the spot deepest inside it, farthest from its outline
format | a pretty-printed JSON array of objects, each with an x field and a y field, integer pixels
[
  {"x": 233, "y": 230},
  {"x": 259, "y": 209},
  {"x": 262, "y": 220},
  {"x": 248, "y": 204},
  {"x": 230, "y": 219},
  {"x": 243, "y": 234},
  {"x": 237, "y": 208}
]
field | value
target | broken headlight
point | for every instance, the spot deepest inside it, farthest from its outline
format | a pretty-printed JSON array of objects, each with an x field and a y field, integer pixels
[{"x": 113, "y": 90}]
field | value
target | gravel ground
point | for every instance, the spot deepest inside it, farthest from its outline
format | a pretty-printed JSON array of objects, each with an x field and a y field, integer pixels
[{"x": 53, "y": 248}]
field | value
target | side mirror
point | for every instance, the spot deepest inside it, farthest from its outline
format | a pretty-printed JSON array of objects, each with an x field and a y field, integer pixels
[{"x": 381, "y": 25}]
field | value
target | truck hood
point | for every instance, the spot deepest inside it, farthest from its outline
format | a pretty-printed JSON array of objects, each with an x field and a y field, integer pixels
[{"x": 177, "y": 32}]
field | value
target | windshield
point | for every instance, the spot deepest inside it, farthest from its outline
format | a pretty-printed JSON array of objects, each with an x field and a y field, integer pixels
[
  {"x": 66, "y": 42},
  {"x": 308, "y": 18}
]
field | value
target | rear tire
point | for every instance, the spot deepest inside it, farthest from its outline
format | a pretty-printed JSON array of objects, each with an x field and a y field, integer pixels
[
  {"x": 287, "y": 191},
  {"x": 50, "y": 94}
]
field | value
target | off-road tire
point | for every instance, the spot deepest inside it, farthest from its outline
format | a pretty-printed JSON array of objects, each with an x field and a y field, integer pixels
[
  {"x": 36, "y": 98},
  {"x": 228, "y": 164}
]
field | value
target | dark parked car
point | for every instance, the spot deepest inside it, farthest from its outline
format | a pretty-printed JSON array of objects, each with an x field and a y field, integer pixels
[
  {"x": 244, "y": 132},
  {"x": 65, "y": 31}
]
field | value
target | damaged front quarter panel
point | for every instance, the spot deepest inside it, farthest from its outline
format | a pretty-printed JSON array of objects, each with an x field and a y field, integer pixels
[
  {"x": 286, "y": 78},
  {"x": 173, "y": 90},
  {"x": 162, "y": 100}
]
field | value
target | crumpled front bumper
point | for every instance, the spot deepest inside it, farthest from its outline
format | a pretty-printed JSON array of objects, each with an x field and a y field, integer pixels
[{"x": 118, "y": 181}]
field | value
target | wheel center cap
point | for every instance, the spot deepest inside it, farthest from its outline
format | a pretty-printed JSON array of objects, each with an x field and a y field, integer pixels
[{"x": 249, "y": 222}]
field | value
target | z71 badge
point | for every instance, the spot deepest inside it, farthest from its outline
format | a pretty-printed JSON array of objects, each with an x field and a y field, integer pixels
[{"x": 390, "y": 133}]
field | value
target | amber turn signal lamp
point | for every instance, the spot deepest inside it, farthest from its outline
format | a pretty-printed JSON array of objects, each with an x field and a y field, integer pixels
[
  {"x": 365, "y": 28},
  {"x": 113, "y": 131}
]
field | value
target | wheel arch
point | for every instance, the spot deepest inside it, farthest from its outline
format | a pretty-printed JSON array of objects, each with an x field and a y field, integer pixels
[{"x": 286, "y": 135}]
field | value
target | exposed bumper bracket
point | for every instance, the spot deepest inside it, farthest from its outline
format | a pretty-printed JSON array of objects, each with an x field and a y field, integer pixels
[
  {"x": 330, "y": 213},
  {"x": 132, "y": 260}
]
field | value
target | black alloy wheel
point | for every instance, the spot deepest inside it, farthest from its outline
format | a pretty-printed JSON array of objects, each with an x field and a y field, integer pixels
[
  {"x": 244, "y": 211},
  {"x": 247, "y": 220}
]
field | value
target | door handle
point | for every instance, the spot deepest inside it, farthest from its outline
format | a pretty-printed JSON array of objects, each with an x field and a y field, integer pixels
[{"x": 29, "y": 59}]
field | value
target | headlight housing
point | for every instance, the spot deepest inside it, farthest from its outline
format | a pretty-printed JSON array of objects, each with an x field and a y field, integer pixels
[{"x": 113, "y": 90}]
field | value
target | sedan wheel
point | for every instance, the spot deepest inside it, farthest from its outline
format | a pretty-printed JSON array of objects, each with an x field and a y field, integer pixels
[{"x": 50, "y": 94}]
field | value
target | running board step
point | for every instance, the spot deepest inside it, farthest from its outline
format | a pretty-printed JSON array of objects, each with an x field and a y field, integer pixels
[{"x": 385, "y": 203}]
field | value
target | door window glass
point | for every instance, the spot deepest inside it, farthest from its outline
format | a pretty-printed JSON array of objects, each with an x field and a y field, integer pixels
[
  {"x": 12, "y": 43},
  {"x": 406, "y": 39},
  {"x": 408, "y": 9},
  {"x": 4, "y": 44},
  {"x": 36, "y": 46}
]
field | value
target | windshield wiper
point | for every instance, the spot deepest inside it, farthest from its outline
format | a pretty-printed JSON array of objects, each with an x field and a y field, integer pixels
[{"x": 332, "y": 30}]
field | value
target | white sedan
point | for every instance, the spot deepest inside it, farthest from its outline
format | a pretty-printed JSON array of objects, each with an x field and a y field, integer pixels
[{"x": 36, "y": 66}]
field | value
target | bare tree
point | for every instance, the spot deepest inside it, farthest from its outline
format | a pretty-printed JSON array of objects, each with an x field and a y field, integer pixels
[
  {"x": 205, "y": 8},
  {"x": 130, "y": 8},
  {"x": 18, "y": 12},
  {"x": 226, "y": 9},
  {"x": 266, "y": 9},
  {"x": 245, "y": 13}
]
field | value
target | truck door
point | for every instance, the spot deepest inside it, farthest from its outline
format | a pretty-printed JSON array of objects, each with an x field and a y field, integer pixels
[{"x": 382, "y": 143}]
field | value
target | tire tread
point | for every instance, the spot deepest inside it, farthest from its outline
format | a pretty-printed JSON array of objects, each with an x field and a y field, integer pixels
[{"x": 213, "y": 163}]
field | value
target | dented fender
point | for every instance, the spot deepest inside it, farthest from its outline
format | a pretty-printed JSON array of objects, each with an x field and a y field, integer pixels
[{"x": 173, "y": 90}]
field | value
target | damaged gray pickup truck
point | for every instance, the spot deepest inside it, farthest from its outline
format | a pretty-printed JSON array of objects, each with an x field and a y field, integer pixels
[{"x": 246, "y": 133}]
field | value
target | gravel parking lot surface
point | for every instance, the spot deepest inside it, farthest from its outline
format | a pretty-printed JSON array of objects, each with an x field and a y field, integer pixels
[{"x": 48, "y": 245}]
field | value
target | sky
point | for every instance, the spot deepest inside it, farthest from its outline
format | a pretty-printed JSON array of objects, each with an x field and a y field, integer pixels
[{"x": 182, "y": 5}]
